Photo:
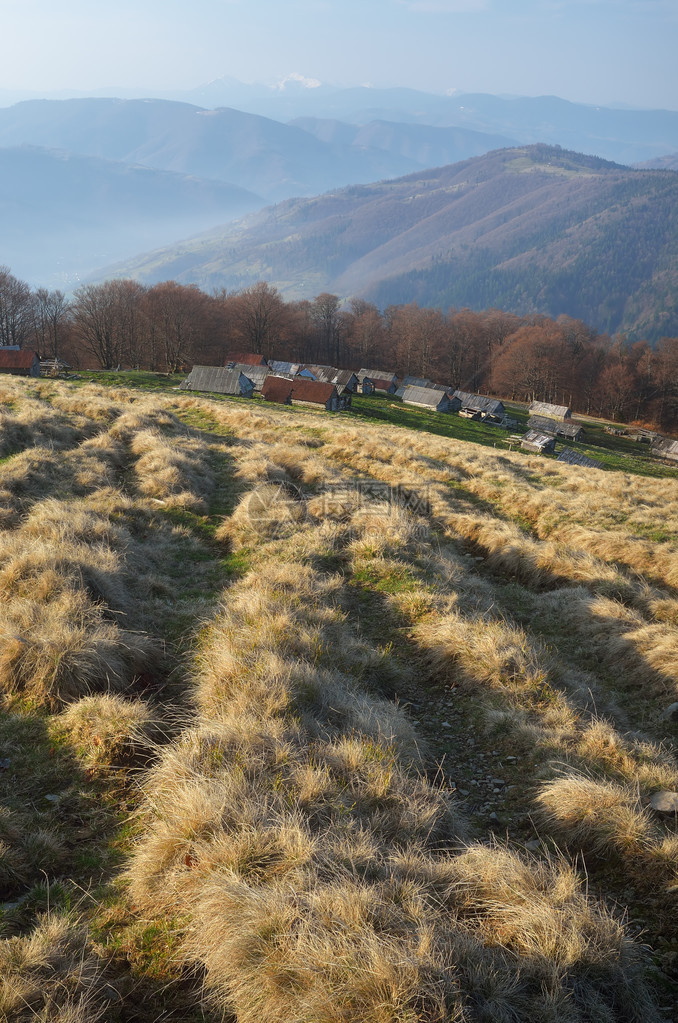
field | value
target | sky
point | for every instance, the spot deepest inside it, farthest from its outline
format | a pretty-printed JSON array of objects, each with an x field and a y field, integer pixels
[{"x": 593, "y": 51}]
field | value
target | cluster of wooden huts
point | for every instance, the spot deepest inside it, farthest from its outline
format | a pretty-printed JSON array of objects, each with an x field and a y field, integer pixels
[
  {"x": 290, "y": 383},
  {"x": 546, "y": 424}
]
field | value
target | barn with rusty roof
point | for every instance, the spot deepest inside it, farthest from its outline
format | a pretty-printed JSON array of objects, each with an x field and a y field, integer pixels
[
  {"x": 319, "y": 395},
  {"x": 19, "y": 362},
  {"x": 278, "y": 390}
]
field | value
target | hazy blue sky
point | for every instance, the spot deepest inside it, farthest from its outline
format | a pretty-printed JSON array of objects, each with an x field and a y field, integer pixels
[{"x": 597, "y": 51}]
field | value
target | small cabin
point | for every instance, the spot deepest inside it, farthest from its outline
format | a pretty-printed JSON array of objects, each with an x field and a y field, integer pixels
[
  {"x": 544, "y": 408},
  {"x": 557, "y": 428},
  {"x": 383, "y": 385},
  {"x": 541, "y": 443},
  {"x": 665, "y": 447},
  {"x": 343, "y": 379},
  {"x": 219, "y": 380},
  {"x": 474, "y": 406},
  {"x": 19, "y": 362},
  {"x": 315, "y": 393},
  {"x": 430, "y": 399}
]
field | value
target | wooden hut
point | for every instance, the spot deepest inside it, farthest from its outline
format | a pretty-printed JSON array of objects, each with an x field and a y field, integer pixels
[
  {"x": 317, "y": 394},
  {"x": 665, "y": 447},
  {"x": 277, "y": 389},
  {"x": 470, "y": 404},
  {"x": 376, "y": 380},
  {"x": 256, "y": 374},
  {"x": 343, "y": 379},
  {"x": 544, "y": 408},
  {"x": 421, "y": 382},
  {"x": 538, "y": 442},
  {"x": 430, "y": 399},
  {"x": 219, "y": 380},
  {"x": 557, "y": 428},
  {"x": 21, "y": 362}
]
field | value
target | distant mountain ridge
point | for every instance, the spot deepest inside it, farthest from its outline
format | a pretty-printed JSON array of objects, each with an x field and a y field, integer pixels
[
  {"x": 616, "y": 133},
  {"x": 527, "y": 229},
  {"x": 265, "y": 156},
  {"x": 62, "y": 214}
]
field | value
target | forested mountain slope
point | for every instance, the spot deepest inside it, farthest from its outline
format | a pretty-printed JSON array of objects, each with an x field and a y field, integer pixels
[{"x": 529, "y": 229}]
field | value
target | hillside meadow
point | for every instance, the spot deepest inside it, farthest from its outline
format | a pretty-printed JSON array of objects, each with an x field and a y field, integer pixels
[{"x": 309, "y": 718}]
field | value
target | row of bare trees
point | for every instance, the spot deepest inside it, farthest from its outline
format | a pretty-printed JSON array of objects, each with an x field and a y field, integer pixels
[{"x": 170, "y": 326}]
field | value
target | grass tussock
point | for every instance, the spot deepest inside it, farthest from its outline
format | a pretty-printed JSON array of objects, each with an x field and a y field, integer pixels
[
  {"x": 53, "y": 975},
  {"x": 108, "y": 731},
  {"x": 602, "y": 818}
]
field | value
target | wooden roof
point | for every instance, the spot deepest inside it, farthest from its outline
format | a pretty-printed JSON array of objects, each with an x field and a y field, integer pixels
[
  {"x": 666, "y": 447},
  {"x": 424, "y": 396},
  {"x": 576, "y": 458},
  {"x": 556, "y": 427},
  {"x": 257, "y": 374},
  {"x": 538, "y": 440},
  {"x": 377, "y": 374},
  {"x": 543, "y": 408},
  {"x": 479, "y": 402},
  {"x": 219, "y": 379}
]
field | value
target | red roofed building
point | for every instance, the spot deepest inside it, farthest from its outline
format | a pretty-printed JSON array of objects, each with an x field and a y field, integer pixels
[
  {"x": 313, "y": 392},
  {"x": 383, "y": 386},
  {"x": 244, "y": 359},
  {"x": 23, "y": 363},
  {"x": 278, "y": 389}
]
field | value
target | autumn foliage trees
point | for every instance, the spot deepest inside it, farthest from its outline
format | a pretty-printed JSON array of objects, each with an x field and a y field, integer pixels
[{"x": 170, "y": 326}]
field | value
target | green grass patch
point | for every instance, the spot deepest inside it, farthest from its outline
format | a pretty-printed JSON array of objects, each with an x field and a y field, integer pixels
[{"x": 139, "y": 379}]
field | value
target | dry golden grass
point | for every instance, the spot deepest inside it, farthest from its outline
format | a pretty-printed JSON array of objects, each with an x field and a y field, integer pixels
[
  {"x": 291, "y": 825},
  {"x": 325, "y": 878},
  {"x": 52, "y": 975},
  {"x": 109, "y": 731}
]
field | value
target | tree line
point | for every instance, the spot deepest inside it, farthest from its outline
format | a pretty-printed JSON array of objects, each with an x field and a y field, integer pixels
[{"x": 169, "y": 326}]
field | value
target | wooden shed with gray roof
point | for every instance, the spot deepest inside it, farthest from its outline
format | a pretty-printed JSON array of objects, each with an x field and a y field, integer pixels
[
  {"x": 539, "y": 442},
  {"x": 257, "y": 374},
  {"x": 431, "y": 399},
  {"x": 558, "y": 428},
  {"x": 219, "y": 380},
  {"x": 421, "y": 382},
  {"x": 343, "y": 379},
  {"x": 665, "y": 447},
  {"x": 479, "y": 403},
  {"x": 544, "y": 408}
]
